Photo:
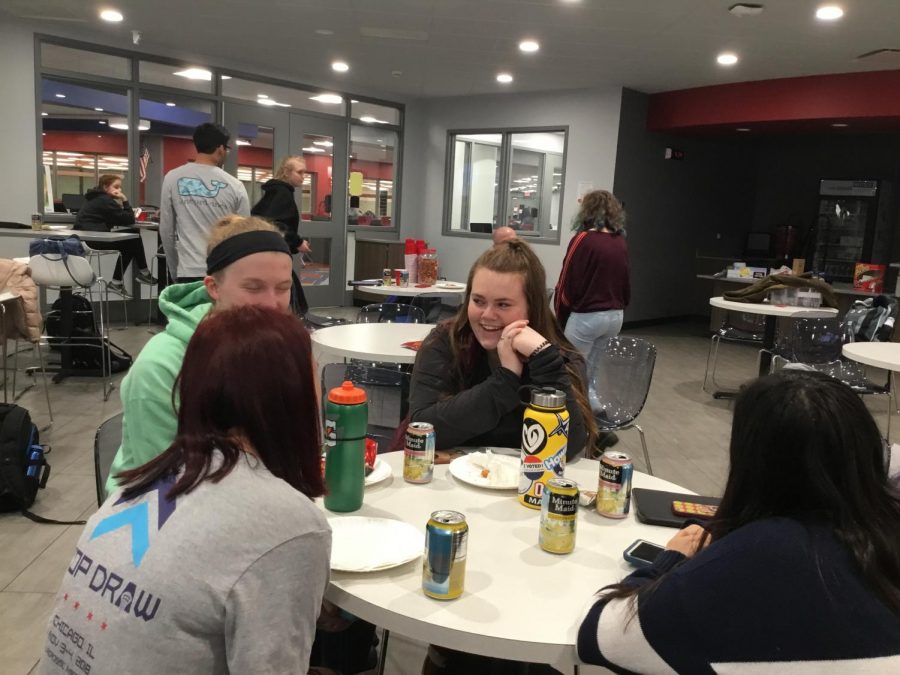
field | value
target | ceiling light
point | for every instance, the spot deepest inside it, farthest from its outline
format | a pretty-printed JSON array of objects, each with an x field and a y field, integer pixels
[
  {"x": 744, "y": 9},
  {"x": 122, "y": 123},
  {"x": 340, "y": 67},
  {"x": 272, "y": 102},
  {"x": 170, "y": 104},
  {"x": 840, "y": 125},
  {"x": 43, "y": 114},
  {"x": 111, "y": 15},
  {"x": 195, "y": 74},
  {"x": 324, "y": 31},
  {"x": 529, "y": 45},
  {"x": 727, "y": 59},
  {"x": 262, "y": 96},
  {"x": 101, "y": 122},
  {"x": 324, "y": 144},
  {"x": 43, "y": 133},
  {"x": 368, "y": 119},
  {"x": 327, "y": 98},
  {"x": 241, "y": 141},
  {"x": 742, "y": 129},
  {"x": 829, "y": 13},
  {"x": 60, "y": 95},
  {"x": 504, "y": 78},
  {"x": 312, "y": 149},
  {"x": 99, "y": 109},
  {"x": 224, "y": 77}
]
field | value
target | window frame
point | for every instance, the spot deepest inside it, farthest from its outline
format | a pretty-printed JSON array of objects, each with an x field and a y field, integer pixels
[{"x": 540, "y": 236}]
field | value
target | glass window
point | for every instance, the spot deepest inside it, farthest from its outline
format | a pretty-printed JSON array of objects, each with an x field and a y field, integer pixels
[
  {"x": 372, "y": 113},
  {"x": 255, "y": 161},
  {"x": 530, "y": 166},
  {"x": 57, "y": 57},
  {"x": 272, "y": 95},
  {"x": 318, "y": 154},
  {"x": 192, "y": 77},
  {"x": 373, "y": 157}
]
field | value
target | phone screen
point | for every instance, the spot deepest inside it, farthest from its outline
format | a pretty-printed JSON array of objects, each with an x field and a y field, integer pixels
[{"x": 646, "y": 551}]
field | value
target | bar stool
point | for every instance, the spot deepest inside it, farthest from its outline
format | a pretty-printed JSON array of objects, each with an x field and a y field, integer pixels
[{"x": 95, "y": 255}]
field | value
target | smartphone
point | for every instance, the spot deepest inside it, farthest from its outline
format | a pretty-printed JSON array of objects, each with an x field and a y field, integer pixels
[
  {"x": 693, "y": 509},
  {"x": 642, "y": 553}
]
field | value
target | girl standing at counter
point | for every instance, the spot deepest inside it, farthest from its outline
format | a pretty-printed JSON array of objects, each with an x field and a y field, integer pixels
[{"x": 468, "y": 377}]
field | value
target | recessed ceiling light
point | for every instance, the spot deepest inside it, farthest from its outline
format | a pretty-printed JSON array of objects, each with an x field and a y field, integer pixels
[
  {"x": 44, "y": 133},
  {"x": 324, "y": 31},
  {"x": 340, "y": 67},
  {"x": 726, "y": 59},
  {"x": 312, "y": 149},
  {"x": 327, "y": 98},
  {"x": 170, "y": 104},
  {"x": 111, "y": 15},
  {"x": 43, "y": 114},
  {"x": 241, "y": 141},
  {"x": 101, "y": 122},
  {"x": 324, "y": 144},
  {"x": 396, "y": 73},
  {"x": 99, "y": 109},
  {"x": 829, "y": 13},
  {"x": 224, "y": 77},
  {"x": 529, "y": 45},
  {"x": 122, "y": 124},
  {"x": 60, "y": 95},
  {"x": 840, "y": 125},
  {"x": 195, "y": 74},
  {"x": 742, "y": 129},
  {"x": 368, "y": 119},
  {"x": 504, "y": 78},
  {"x": 262, "y": 96}
]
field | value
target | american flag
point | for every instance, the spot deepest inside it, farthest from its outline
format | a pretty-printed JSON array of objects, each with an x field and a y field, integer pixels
[{"x": 144, "y": 160}]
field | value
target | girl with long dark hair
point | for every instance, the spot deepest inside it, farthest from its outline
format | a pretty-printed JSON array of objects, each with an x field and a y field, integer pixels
[
  {"x": 213, "y": 558},
  {"x": 800, "y": 568}
]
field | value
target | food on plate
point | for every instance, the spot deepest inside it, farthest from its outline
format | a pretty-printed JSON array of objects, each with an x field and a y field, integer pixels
[
  {"x": 371, "y": 455},
  {"x": 496, "y": 470}
]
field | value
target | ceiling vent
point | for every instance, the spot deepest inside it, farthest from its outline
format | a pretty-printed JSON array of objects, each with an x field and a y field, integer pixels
[
  {"x": 743, "y": 9},
  {"x": 882, "y": 58}
]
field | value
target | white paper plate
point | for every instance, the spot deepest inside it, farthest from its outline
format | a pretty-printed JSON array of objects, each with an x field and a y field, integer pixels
[
  {"x": 469, "y": 468},
  {"x": 381, "y": 471},
  {"x": 361, "y": 544},
  {"x": 450, "y": 284}
]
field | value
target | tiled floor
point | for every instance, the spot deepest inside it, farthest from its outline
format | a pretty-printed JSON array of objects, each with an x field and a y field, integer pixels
[{"x": 687, "y": 433}]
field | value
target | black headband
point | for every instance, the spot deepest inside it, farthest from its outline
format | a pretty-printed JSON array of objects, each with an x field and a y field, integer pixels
[{"x": 244, "y": 244}]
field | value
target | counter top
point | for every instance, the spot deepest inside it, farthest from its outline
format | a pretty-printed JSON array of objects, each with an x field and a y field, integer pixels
[{"x": 839, "y": 287}]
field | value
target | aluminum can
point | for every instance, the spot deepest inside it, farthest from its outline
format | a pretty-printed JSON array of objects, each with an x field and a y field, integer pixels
[
  {"x": 545, "y": 437},
  {"x": 418, "y": 453},
  {"x": 387, "y": 276},
  {"x": 37, "y": 221},
  {"x": 404, "y": 278},
  {"x": 444, "y": 562},
  {"x": 614, "y": 487},
  {"x": 559, "y": 515}
]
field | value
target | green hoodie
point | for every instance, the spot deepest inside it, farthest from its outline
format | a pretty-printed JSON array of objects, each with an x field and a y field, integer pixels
[{"x": 149, "y": 419}]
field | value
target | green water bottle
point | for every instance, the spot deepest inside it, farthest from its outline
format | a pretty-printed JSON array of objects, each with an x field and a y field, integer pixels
[{"x": 346, "y": 419}]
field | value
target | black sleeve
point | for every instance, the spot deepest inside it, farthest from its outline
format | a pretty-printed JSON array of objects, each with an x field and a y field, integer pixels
[
  {"x": 548, "y": 369},
  {"x": 279, "y": 207},
  {"x": 457, "y": 416},
  {"x": 106, "y": 210}
]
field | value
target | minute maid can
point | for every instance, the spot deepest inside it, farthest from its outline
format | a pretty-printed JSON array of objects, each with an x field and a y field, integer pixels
[{"x": 545, "y": 437}]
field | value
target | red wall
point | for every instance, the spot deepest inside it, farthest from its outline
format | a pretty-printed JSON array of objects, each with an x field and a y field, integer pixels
[
  {"x": 867, "y": 98},
  {"x": 110, "y": 144}
]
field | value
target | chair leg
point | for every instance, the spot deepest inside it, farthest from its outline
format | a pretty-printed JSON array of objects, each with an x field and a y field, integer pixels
[
  {"x": 105, "y": 359},
  {"x": 44, "y": 379},
  {"x": 713, "y": 345},
  {"x": 644, "y": 446},
  {"x": 382, "y": 655}
]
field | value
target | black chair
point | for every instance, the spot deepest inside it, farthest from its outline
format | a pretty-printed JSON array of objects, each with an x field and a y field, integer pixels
[
  {"x": 737, "y": 328},
  {"x": 390, "y": 312},
  {"x": 73, "y": 202},
  {"x": 106, "y": 443},
  {"x": 432, "y": 304},
  {"x": 387, "y": 391}
]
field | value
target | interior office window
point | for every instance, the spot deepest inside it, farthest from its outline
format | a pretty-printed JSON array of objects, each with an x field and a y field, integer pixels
[
  {"x": 528, "y": 166},
  {"x": 318, "y": 153},
  {"x": 274, "y": 96},
  {"x": 373, "y": 161},
  {"x": 57, "y": 57},
  {"x": 374, "y": 114},
  {"x": 166, "y": 127},
  {"x": 475, "y": 182},
  {"x": 185, "y": 76},
  {"x": 84, "y": 134}
]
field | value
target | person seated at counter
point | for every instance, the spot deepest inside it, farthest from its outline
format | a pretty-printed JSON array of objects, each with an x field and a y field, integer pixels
[
  {"x": 802, "y": 557},
  {"x": 214, "y": 557},
  {"x": 470, "y": 372},
  {"x": 106, "y": 206}
]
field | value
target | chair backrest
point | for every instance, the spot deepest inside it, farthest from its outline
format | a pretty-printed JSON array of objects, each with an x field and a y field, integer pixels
[
  {"x": 431, "y": 305},
  {"x": 54, "y": 270},
  {"x": 745, "y": 321},
  {"x": 817, "y": 340},
  {"x": 73, "y": 202},
  {"x": 390, "y": 312},
  {"x": 621, "y": 380},
  {"x": 106, "y": 443},
  {"x": 387, "y": 392}
]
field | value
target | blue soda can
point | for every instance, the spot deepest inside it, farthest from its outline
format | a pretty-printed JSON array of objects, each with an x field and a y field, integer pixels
[
  {"x": 614, "y": 488},
  {"x": 444, "y": 562}
]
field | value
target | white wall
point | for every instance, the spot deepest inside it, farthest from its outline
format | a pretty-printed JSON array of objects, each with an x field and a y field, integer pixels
[
  {"x": 18, "y": 177},
  {"x": 593, "y": 120}
]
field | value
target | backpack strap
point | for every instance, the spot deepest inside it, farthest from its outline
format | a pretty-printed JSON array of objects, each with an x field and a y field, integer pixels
[{"x": 50, "y": 521}]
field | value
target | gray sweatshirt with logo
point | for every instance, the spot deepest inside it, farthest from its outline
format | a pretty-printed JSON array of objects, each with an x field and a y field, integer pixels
[
  {"x": 194, "y": 198},
  {"x": 226, "y": 579}
]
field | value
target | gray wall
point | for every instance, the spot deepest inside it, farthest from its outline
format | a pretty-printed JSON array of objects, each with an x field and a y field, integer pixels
[
  {"x": 593, "y": 120},
  {"x": 678, "y": 209}
]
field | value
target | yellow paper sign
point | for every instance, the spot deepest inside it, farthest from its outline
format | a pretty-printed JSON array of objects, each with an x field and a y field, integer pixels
[{"x": 356, "y": 183}]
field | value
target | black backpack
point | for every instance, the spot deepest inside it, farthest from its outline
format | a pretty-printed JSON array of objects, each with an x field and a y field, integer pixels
[
  {"x": 85, "y": 357},
  {"x": 23, "y": 465},
  {"x": 872, "y": 319}
]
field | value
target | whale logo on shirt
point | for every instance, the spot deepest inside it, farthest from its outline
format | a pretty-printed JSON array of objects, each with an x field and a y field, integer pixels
[{"x": 195, "y": 187}]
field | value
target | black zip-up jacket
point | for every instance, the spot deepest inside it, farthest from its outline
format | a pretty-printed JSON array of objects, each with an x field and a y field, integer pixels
[
  {"x": 101, "y": 212},
  {"x": 278, "y": 205}
]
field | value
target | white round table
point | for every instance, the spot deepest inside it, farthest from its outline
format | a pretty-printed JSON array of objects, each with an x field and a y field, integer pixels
[
  {"x": 375, "y": 341},
  {"x": 520, "y": 602},
  {"x": 879, "y": 355},
  {"x": 451, "y": 288}
]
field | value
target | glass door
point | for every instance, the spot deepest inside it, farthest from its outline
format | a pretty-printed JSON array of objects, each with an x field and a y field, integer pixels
[{"x": 260, "y": 139}]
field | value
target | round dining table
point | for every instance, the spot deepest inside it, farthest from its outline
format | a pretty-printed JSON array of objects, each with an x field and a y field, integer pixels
[
  {"x": 370, "y": 341},
  {"x": 520, "y": 602},
  {"x": 442, "y": 287},
  {"x": 884, "y": 355}
]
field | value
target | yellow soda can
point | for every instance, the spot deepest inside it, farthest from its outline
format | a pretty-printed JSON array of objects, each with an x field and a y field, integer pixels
[{"x": 545, "y": 437}]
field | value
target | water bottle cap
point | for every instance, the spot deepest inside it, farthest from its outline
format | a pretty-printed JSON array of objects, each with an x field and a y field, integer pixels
[
  {"x": 347, "y": 394},
  {"x": 548, "y": 397}
]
